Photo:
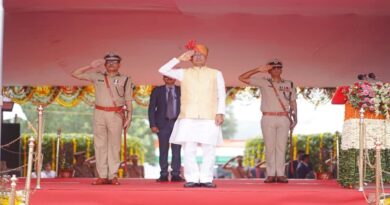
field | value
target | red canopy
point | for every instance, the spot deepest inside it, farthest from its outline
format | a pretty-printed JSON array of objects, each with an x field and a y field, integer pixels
[{"x": 321, "y": 43}]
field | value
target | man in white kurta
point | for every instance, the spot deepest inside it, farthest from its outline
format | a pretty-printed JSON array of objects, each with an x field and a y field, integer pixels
[{"x": 201, "y": 115}]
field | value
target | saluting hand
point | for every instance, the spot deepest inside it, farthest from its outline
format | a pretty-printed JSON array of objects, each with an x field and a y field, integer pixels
[
  {"x": 219, "y": 118},
  {"x": 186, "y": 56},
  {"x": 97, "y": 63}
]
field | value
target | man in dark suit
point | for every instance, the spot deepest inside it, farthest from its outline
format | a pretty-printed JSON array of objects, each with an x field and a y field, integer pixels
[
  {"x": 164, "y": 107},
  {"x": 305, "y": 169},
  {"x": 294, "y": 174}
]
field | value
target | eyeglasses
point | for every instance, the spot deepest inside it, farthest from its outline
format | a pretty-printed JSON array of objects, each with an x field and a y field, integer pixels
[
  {"x": 168, "y": 78},
  {"x": 277, "y": 67},
  {"x": 112, "y": 62}
]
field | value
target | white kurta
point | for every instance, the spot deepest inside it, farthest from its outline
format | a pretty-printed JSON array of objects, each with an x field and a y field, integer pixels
[{"x": 196, "y": 130}]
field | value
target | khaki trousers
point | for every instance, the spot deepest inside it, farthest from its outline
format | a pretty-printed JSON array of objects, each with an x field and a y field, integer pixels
[
  {"x": 275, "y": 132},
  {"x": 107, "y": 141}
]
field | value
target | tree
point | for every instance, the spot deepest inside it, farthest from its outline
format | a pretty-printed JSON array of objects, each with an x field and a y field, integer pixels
[
  {"x": 229, "y": 127},
  {"x": 78, "y": 119},
  {"x": 140, "y": 129}
]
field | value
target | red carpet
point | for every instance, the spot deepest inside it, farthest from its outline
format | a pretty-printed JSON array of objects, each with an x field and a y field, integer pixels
[{"x": 235, "y": 192}]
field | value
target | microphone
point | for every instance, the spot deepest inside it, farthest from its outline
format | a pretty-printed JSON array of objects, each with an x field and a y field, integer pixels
[
  {"x": 362, "y": 77},
  {"x": 372, "y": 76}
]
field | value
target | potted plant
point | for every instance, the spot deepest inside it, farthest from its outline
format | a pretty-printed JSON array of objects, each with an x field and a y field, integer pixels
[
  {"x": 323, "y": 166},
  {"x": 66, "y": 161}
]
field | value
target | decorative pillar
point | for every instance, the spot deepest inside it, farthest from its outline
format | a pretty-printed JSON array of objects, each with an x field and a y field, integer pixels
[
  {"x": 29, "y": 169},
  {"x": 39, "y": 144},
  {"x": 58, "y": 151},
  {"x": 11, "y": 200}
]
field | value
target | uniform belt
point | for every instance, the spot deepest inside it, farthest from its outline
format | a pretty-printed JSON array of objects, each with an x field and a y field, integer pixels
[
  {"x": 109, "y": 109},
  {"x": 275, "y": 113}
]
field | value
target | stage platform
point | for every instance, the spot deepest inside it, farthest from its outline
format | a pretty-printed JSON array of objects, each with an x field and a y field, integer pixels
[{"x": 77, "y": 191}]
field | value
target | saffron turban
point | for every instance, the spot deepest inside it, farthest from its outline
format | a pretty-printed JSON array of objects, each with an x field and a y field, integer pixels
[{"x": 192, "y": 45}]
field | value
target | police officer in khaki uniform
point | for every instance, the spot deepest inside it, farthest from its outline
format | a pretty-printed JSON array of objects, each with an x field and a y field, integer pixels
[
  {"x": 113, "y": 96},
  {"x": 279, "y": 108}
]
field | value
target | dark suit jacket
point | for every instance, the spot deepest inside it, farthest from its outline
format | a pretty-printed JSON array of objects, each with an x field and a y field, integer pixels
[{"x": 158, "y": 106}]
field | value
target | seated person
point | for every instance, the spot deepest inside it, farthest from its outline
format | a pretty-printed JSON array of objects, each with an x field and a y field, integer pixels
[
  {"x": 332, "y": 165},
  {"x": 46, "y": 172},
  {"x": 305, "y": 169},
  {"x": 82, "y": 168},
  {"x": 133, "y": 169},
  {"x": 222, "y": 173},
  {"x": 259, "y": 170},
  {"x": 238, "y": 171},
  {"x": 92, "y": 163}
]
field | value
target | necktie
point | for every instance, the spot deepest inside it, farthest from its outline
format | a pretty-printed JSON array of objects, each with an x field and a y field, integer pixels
[{"x": 170, "y": 111}]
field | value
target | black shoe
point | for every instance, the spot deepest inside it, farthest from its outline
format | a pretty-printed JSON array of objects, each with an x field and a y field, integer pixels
[
  {"x": 177, "y": 179},
  {"x": 191, "y": 185},
  {"x": 208, "y": 185},
  {"x": 282, "y": 179},
  {"x": 162, "y": 179},
  {"x": 270, "y": 179}
]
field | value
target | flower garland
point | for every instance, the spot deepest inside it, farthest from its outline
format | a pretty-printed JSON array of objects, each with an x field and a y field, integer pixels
[
  {"x": 19, "y": 94},
  {"x": 295, "y": 149},
  {"x": 69, "y": 96},
  {"x": 141, "y": 94},
  {"x": 53, "y": 153},
  {"x": 44, "y": 95},
  {"x": 88, "y": 93},
  {"x": 307, "y": 147},
  {"x": 74, "y": 143},
  {"x": 88, "y": 147},
  {"x": 373, "y": 97}
]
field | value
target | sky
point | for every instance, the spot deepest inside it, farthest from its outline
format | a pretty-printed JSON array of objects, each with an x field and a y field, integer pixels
[{"x": 311, "y": 119}]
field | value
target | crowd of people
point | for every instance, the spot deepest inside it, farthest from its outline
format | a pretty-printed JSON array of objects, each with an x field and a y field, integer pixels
[{"x": 235, "y": 169}]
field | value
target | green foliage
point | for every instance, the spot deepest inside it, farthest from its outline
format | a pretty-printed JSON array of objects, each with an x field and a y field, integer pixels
[
  {"x": 67, "y": 147},
  {"x": 349, "y": 171},
  {"x": 348, "y": 159},
  {"x": 254, "y": 149},
  {"x": 140, "y": 129},
  {"x": 79, "y": 120},
  {"x": 229, "y": 127}
]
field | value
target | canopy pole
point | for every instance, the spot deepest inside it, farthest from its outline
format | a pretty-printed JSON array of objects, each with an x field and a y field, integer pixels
[{"x": 1, "y": 64}]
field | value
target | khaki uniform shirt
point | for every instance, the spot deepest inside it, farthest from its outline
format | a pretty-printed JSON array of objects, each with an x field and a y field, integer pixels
[
  {"x": 269, "y": 101},
  {"x": 121, "y": 88}
]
